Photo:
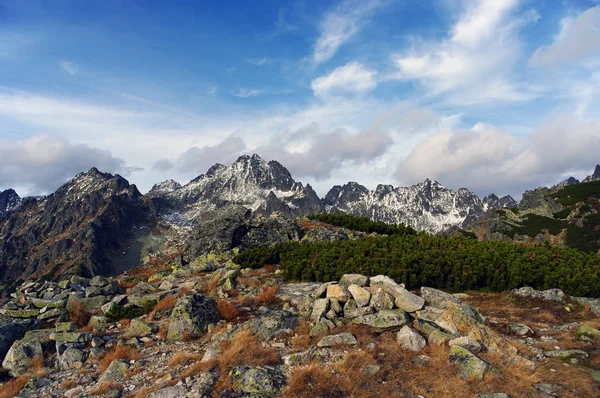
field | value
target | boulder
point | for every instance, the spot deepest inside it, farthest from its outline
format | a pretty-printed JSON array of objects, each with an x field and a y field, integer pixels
[
  {"x": 139, "y": 328},
  {"x": 271, "y": 324},
  {"x": 439, "y": 299},
  {"x": 12, "y": 330},
  {"x": 19, "y": 356},
  {"x": 384, "y": 319},
  {"x": 337, "y": 339},
  {"x": 549, "y": 295},
  {"x": 521, "y": 330},
  {"x": 21, "y": 313},
  {"x": 260, "y": 381},
  {"x": 297, "y": 293},
  {"x": 410, "y": 340},
  {"x": 322, "y": 327},
  {"x": 71, "y": 358},
  {"x": 320, "y": 308},
  {"x": 351, "y": 310},
  {"x": 321, "y": 290},
  {"x": 191, "y": 316},
  {"x": 90, "y": 304},
  {"x": 381, "y": 279},
  {"x": 115, "y": 372},
  {"x": 587, "y": 332},
  {"x": 380, "y": 299},
  {"x": 361, "y": 296},
  {"x": 404, "y": 299},
  {"x": 71, "y": 337},
  {"x": 338, "y": 292},
  {"x": 470, "y": 366},
  {"x": 353, "y": 279}
]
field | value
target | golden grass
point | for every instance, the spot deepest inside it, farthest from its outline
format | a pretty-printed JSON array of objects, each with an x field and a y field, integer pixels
[
  {"x": 315, "y": 381},
  {"x": 267, "y": 296},
  {"x": 184, "y": 358},
  {"x": 165, "y": 303},
  {"x": 124, "y": 352},
  {"x": 198, "y": 368},
  {"x": 67, "y": 384},
  {"x": 78, "y": 314},
  {"x": 14, "y": 386},
  {"x": 227, "y": 310}
]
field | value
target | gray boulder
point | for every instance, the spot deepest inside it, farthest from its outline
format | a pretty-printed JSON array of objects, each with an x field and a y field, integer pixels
[
  {"x": 410, "y": 340},
  {"x": 191, "y": 316},
  {"x": 354, "y": 279},
  {"x": 19, "y": 356},
  {"x": 271, "y": 324},
  {"x": 384, "y": 319},
  {"x": 260, "y": 381},
  {"x": 337, "y": 339}
]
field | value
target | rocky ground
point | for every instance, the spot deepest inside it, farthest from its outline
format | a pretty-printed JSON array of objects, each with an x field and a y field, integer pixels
[{"x": 217, "y": 331}]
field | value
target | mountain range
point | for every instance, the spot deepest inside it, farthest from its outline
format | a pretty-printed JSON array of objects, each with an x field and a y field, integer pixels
[{"x": 98, "y": 223}]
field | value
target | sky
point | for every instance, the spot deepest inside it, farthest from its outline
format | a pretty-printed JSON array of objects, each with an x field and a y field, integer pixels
[{"x": 495, "y": 96}]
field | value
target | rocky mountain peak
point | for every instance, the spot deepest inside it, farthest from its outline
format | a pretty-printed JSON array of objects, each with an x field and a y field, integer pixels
[
  {"x": 569, "y": 181},
  {"x": 595, "y": 175},
  {"x": 164, "y": 187},
  {"x": 9, "y": 200},
  {"x": 492, "y": 201}
]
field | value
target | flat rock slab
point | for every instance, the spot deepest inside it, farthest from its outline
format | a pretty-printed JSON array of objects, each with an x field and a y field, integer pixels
[
  {"x": 337, "y": 339},
  {"x": 384, "y": 319}
]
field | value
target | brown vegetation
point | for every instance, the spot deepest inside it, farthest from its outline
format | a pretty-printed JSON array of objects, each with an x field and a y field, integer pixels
[
  {"x": 105, "y": 387},
  {"x": 267, "y": 296},
  {"x": 125, "y": 352},
  {"x": 78, "y": 314},
  {"x": 198, "y": 368},
  {"x": 166, "y": 303},
  {"x": 227, "y": 310},
  {"x": 184, "y": 358},
  {"x": 315, "y": 381},
  {"x": 12, "y": 387}
]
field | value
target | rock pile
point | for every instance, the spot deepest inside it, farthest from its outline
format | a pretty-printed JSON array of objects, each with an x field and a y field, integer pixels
[{"x": 434, "y": 317}]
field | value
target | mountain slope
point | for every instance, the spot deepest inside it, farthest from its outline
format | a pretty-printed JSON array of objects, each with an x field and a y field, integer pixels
[
  {"x": 427, "y": 206},
  {"x": 494, "y": 202},
  {"x": 250, "y": 182},
  {"x": 78, "y": 229}
]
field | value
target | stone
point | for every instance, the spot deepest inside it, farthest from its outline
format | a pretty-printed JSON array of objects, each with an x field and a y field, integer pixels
[
  {"x": 71, "y": 337},
  {"x": 52, "y": 313},
  {"x": 142, "y": 288},
  {"x": 587, "y": 332},
  {"x": 566, "y": 354},
  {"x": 593, "y": 303},
  {"x": 139, "y": 328},
  {"x": 351, "y": 310},
  {"x": 271, "y": 324},
  {"x": 12, "y": 330},
  {"x": 79, "y": 280},
  {"x": 337, "y": 339},
  {"x": 549, "y": 295},
  {"x": 404, "y": 299},
  {"x": 321, "y": 291},
  {"x": 320, "y": 308},
  {"x": 468, "y": 343},
  {"x": 494, "y": 395},
  {"x": 90, "y": 304},
  {"x": 361, "y": 296},
  {"x": 338, "y": 292},
  {"x": 259, "y": 381},
  {"x": 469, "y": 365},
  {"x": 439, "y": 299},
  {"x": 65, "y": 327},
  {"x": 384, "y": 319},
  {"x": 297, "y": 293},
  {"x": 521, "y": 330},
  {"x": 93, "y": 291},
  {"x": 322, "y": 327},
  {"x": 204, "y": 384},
  {"x": 71, "y": 358},
  {"x": 410, "y": 340},
  {"x": 115, "y": 372},
  {"x": 335, "y": 305},
  {"x": 21, "y": 313},
  {"x": 353, "y": 279},
  {"x": 19, "y": 356},
  {"x": 74, "y": 392},
  {"x": 165, "y": 285},
  {"x": 41, "y": 303},
  {"x": 429, "y": 314},
  {"x": 372, "y": 369},
  {"x": 98, "y": 322},
  {"x": 437, "y": 337},
  {"x": 99, "y": 281},
  {"x": 169, "y": 392},
  {"x": 381, "y": 300},
  {"x": 381, "y": 279},
  {"x": 191, "y": 316}
]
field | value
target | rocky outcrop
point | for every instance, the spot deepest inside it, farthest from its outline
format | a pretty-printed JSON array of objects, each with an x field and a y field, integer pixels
[
  {"x": 494, "y": 202},
  {"x": 9, "y": 201},
  {"x": 539, "y": 201},
  {"x": 78, "y": 230},
  {"x": 427, "y": 206},
  {"x": 595, "y": 175},
  {"x": 191, "y": 317}
]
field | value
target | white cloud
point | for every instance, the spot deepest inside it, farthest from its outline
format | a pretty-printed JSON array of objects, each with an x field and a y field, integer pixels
[
  {"x": 258, "y": 61},
  {"x": 40, "y": 164},
  {"x": 246, "y": 93},
  {"x": 475, "y": 62},
  {"x": 352, "y": 78},
  {"x": 578, "y": 39},
  {"x": 69, "y": 67},
  {"x": 486, "y": 159},
  {"x": 340, "y": 24}
]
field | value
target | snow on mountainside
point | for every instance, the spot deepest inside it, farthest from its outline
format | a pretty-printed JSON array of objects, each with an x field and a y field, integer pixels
[
  {"x": 567, "y": 182},
  {"x": 9, "y": 200},
  {"x": 427, "y": 206},
  {"x": 250, "y": 181}
]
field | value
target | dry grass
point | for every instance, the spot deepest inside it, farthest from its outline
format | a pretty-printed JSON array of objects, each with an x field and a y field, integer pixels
[
  {"x": 183, "y": 291},
  {"x": 227, "y": 310},
  {"x": 165, "y": 303},
  {"x": 67, "y": 384},
  {"x": 12, "y": 387},
  {"x": 184, "y": 358},
  {"x": 315, "y": 381},
  {"x": 198, "y": 368},
  {"x": 86, "y": 328},
  {"x": 249, "y": 281},
  {"x": 78, "y": 314},
  {"x": 125, "y": 322},
  {"x": 105, "y": 387},
  {"x": 267, "y": 296},
  {"x": 124, "y": 352},
  {"x": 143, "y": 392},
  {"x": 244, "y": 349},
  {"x": 128, "y": 284},
  {"x": 163, "y": 330}
]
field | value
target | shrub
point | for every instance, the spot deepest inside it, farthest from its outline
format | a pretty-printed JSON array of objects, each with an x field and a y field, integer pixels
[
  {"x": 78, "y": 314},
  {"x": 118, "y": 312},
  {"x": 244, "y": 349},
  {"x": 266, "y": 296},
  {"x": 184, "y": 358},
  {"x": 166, "y": 303},
  {"x": 315, "y": 381},
  {"x": 363, "y": 224}
]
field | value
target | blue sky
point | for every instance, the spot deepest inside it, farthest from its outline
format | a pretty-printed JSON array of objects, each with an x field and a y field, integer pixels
[{"x": 490, "y": 95}]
